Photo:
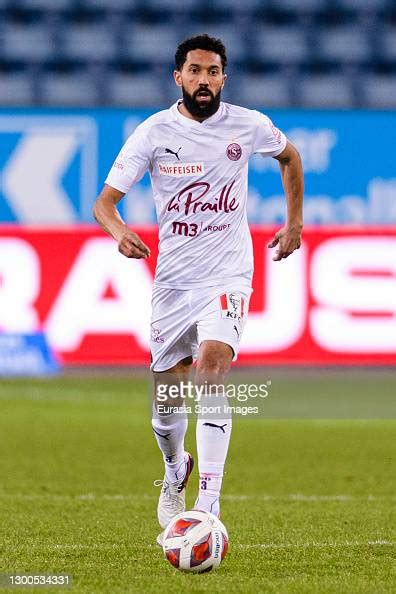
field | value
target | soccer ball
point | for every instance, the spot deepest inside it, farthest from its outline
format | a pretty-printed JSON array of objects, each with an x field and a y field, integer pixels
[{"x": 195, "y": 541}]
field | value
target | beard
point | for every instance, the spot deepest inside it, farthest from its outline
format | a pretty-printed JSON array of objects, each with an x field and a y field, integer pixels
[{"x": 203, "y": 109}]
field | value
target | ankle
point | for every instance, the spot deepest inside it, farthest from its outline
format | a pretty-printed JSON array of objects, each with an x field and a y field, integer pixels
[
  {"x": 208, "y": 501},
  {"x": 210, "y": 482},
  {"x": 175, "y": 467}
]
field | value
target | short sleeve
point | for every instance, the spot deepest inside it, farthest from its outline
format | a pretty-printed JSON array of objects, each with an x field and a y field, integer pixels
[
  {"x": 132, "y": 161},
  {"x": 269, "y": 141}
]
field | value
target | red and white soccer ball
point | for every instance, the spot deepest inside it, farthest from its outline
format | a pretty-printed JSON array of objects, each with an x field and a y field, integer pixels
[{"x": 195, "y": 541}]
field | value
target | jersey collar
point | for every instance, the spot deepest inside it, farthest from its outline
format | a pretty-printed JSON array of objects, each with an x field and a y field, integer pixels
[{"x": 193, "y": 123}]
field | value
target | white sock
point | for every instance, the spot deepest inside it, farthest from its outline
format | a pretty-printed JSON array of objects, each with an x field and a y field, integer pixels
[
  {"x": 213, "y": 437},
  {"x": 169, "y": 431}
]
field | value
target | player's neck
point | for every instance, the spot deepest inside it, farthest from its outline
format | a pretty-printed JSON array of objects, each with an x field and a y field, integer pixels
[{"x": 184, "y": 111}]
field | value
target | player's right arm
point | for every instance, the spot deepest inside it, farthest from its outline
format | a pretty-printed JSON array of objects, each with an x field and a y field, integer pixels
[
  {"x": 106, "y": 213},
  {"x": 128, "y": 168}
]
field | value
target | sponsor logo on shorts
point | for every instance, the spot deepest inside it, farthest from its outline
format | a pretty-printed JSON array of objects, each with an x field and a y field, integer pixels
[
  {"x": 181, "y": 169},
  {"x": 156, "y": 335},
  {"x": 232, "y": 306}
]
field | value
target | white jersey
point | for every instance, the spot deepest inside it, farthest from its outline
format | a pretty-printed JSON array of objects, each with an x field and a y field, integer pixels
[{"x": 199, "y": 174}]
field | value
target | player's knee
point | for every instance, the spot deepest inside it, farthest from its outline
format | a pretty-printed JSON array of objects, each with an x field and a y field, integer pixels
[{"x": 212, "y": 369}]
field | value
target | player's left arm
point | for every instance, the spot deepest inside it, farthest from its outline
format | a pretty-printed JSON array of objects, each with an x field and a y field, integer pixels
[{"x": 288, "y": 238}]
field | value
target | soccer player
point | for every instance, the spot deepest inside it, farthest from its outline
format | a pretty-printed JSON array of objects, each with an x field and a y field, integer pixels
[{"x": 197, "y": 154}]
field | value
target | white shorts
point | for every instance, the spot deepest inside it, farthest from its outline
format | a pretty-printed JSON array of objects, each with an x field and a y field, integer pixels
[{"x": 182, "y": 319}]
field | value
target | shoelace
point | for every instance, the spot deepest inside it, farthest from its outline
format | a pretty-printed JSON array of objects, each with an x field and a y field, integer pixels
[
  {"x": 167, "y": 486},
  {"x": 159, "y": 483}
]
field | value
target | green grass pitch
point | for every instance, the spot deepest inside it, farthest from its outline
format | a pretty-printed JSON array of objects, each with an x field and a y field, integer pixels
[{"x": 309, "y": 491}]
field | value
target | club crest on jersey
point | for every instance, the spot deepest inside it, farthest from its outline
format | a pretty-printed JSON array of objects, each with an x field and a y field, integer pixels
[
  {"x": 232, "y": 306},
  {"x": 234, "y": 151}
]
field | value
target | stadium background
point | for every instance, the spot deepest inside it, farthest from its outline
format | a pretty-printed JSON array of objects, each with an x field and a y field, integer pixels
[
  {"x": 309, "y": 489},
  {"x": 324, "y": 71}
]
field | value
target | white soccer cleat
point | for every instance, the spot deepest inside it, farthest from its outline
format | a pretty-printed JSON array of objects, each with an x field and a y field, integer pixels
[
  {"x": 160, "y": 539},
  {"x": 172, "y": 499}
]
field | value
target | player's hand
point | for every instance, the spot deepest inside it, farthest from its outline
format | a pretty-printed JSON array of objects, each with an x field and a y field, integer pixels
[
  {"x": 287, "y": 239},
  {"x": 131, "y": 246}
]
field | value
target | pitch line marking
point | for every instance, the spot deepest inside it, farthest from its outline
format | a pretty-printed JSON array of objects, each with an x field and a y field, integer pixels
[
  {"x": 275, "y": 546},
  {"x": 308, "y": 545},
  {"x": 229, "y": 497}
]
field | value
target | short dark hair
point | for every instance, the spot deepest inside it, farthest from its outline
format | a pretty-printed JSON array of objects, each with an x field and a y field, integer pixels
[{"x": 202, "y": 42}]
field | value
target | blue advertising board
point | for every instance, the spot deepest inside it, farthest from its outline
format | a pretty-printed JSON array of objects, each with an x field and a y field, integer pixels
[
  {"x": 53, "y": 164},
  {"x": 26, "y": 355}
]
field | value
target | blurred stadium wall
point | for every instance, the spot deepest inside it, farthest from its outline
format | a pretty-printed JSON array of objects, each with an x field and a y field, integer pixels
[{"x": 324, "y": 70}]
